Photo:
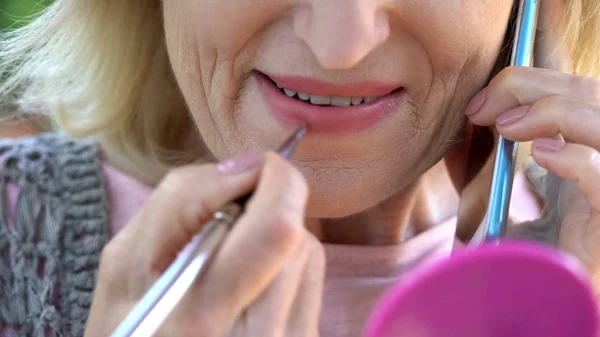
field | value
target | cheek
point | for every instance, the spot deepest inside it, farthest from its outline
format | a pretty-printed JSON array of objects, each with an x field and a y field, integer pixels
[
  {"x": 462, "y": 40},
  {"x": 459, "y": 33},
  {"x": 181, "y": 47},
  {"x": 223, "y": 29},
  {"x": 211, "y": 45}
]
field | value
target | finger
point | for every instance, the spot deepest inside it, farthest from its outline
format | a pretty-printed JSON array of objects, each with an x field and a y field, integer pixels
[
  {"x": 184, "y": 201},
  {"x": 552, "y": 116},
  {"x": 575, "y": 162},
  {"x": 304, "y": 315},
  {"x": 516, "y": 86},
  {"x": 258, "y": 245},
  {"x": 551, "y": 50},
  {"x": 269, "y": 314},
  {"x": 519, "y": 86}
]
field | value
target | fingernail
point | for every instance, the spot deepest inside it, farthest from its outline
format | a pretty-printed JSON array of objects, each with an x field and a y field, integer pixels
[
  {"x": 476, "y": 103},
  {"x": 240, "y": 163},
  {"x": 513, "y": 115},
  {"x": 548, "y": 145}
]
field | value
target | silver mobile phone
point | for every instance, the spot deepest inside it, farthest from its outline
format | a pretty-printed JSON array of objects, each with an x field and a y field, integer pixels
[{"x": 493, "y": 226}]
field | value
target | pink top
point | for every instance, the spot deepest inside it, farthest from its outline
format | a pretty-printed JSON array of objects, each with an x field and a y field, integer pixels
[{"x": 356, "y": 276}]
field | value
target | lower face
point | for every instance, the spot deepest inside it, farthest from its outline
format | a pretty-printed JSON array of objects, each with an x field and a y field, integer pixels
[{"x": 383, "y": 85}]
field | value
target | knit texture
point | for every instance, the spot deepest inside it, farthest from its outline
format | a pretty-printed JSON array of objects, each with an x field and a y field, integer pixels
[
  {"x": 49, "y": 255},
  {"x": 50, "y": 243},
  {"x": 546, "y": 229}
]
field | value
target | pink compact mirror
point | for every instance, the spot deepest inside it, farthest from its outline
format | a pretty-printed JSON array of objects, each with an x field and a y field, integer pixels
[{"x": 514, "y": 289}]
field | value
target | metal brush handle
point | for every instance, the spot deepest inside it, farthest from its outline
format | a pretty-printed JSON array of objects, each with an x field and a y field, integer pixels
[{"x": 158, "y": 302}]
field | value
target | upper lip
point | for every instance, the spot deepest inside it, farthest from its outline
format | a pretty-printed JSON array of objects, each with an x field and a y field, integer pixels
[{"x": 318, "y": 87}]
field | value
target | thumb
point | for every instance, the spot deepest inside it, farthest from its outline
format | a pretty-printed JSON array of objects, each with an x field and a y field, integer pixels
[{"x": 551, "y": 49}]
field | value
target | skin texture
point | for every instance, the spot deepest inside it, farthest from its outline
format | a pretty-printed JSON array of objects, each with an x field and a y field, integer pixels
[
  {"x": 10, "y": 130},
  {"x": 17, "y": 128},
  {"x": 440, "y": 53},
  {"x": 267, "y": 280}
]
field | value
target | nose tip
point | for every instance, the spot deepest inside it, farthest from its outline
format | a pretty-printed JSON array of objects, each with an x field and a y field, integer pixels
[{"x": 341, "y": 33}]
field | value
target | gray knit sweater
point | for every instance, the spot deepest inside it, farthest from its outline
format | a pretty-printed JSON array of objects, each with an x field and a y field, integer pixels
[{"x": 51, "y": 241}]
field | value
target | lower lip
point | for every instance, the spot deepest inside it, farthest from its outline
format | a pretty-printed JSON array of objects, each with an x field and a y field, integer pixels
[{"x": 327, "y": 119}]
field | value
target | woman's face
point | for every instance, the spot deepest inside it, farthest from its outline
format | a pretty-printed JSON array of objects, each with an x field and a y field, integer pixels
[{"x": 382, "y": 83}]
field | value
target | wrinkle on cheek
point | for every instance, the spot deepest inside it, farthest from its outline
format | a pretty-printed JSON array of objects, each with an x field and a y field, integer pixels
[
  {"x": 208, "y": 67},
  {"x": 183, "y": 54},
  {"x": 463, "y": 32},
  {"x": 193, "y": 59},
  {"x": 458, "y": 73},
  {"x": 218, "y": 79},
  {"x": 445, "y": 122},
  {"x": 437, "y": 95}
]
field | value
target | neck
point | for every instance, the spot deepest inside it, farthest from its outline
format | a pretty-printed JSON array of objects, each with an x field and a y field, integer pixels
[{"x": 431, "y": 200}]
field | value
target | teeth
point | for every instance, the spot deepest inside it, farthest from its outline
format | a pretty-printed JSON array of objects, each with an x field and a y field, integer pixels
[
  {"x": 329, "y": 100},
  {"x": 320, "y": 100},
  {"x": 340, "y": 101},
  {"x": 289, "y": 92},
  {"x": 303, "y": 96},
  {"x": 356, "y": 100}
]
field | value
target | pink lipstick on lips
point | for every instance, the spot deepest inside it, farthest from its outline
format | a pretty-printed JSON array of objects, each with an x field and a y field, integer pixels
[{"x": 328, "y": 108}]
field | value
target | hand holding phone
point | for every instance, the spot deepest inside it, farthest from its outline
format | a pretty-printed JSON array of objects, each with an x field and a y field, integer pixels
[{"x": 493, "y": 226}]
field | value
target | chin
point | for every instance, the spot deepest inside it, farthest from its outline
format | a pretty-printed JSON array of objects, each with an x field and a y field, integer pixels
[{"x": 339, "y": 193}]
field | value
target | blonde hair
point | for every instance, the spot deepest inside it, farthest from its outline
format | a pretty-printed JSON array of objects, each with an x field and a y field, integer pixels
[{"x": 100, "y": 69}]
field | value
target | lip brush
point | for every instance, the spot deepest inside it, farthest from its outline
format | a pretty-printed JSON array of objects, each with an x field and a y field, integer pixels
[{"x": 160, "y": 300}]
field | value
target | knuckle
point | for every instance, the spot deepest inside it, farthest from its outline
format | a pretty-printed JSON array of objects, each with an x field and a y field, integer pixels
[
  {"x": 509, "y": 82},
  {"x": 553, "y": 101},
  {"x": 180, "y": 178},
  {"x": 316, "y": 251},
  {"x": 304, "y": 244},
  {"x": 590, "y": 167},
  {"x": 594, "y": 161},
  {"x": 557, "y": 106},
  {"x": 587, "y": 162},
  {"x": 298, "y": 182},
  {"x": 172, "y": 191},
  {"x": 194, "y": 214},
  {"x": 280, "y": 204},
  {"x": 291, "y": 178},
  {"x": 586, "y": 87},
  {"x": 174, "y": 179},
  {"x": 290, "y": 190},
  {"x": 284, "y": 230},
  {"x": 305, "y": 247},
  {"x": 508, "y": 78},
  {"x": 556, "y": 111},
  {"x": 110, "y": 254}
]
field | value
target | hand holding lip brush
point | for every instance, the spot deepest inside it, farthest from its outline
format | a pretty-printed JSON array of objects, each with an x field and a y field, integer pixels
[{"x": 191, "y": 264}]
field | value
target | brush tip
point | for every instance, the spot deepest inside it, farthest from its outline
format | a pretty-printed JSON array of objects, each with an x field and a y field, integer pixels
[{"x": 290, "y": 144}]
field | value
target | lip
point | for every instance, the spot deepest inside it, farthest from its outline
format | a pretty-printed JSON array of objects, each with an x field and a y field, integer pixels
[
  {"x": 316, "y": 87},
  {"x": 327, "y": 119}
]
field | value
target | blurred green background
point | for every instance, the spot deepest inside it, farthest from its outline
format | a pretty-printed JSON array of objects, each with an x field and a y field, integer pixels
[{"x": 14, "y": 13}]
